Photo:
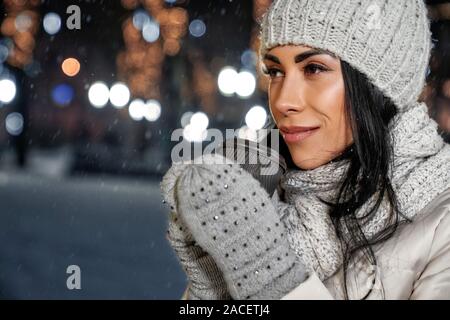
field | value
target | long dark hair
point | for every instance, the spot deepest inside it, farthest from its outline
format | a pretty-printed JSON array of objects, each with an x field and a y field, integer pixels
[{"x": 369, "y": 112}]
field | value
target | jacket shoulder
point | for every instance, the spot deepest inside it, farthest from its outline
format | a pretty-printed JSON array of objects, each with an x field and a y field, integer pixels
[
  {"x": 434, "y": 280},
  {"x": 438, "y": 208},
  {"x": 436, "y": 222},
  {"x": 425, "y": 236}
]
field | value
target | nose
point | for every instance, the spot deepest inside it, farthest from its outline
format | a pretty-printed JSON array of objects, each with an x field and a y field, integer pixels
[{"x": 289, "y": 97}]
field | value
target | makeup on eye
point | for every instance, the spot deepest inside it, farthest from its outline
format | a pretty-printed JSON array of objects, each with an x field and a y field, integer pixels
[
  {"x": 310, "y": 69},
  {"x": 271, "y": 72}
]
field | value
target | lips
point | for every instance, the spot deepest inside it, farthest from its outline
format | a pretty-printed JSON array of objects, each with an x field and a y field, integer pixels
[{"x": 296, "y": 133}]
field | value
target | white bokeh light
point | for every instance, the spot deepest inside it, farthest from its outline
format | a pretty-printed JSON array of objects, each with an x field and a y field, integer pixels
[
  {"x": 14, "y": 123},
  {"x": 150, "y": 31},
  {"x": 23, "y": 22},
  {"x": 186, "y": 118},
  {"x": 7, "y": 90},
  {"x": 152, "y": 110},
  {"x": 245, "y": 84},
  {"x": 98, "y": 94},
  {"x": 227, "y": 81},
  {"x": 52, "y": 23},
  {"x": 137, "y": 109},
  {"x": 256, "y": 118},
  {"x": 196, "y": 130},
  {"x": 119, "y": 95},
  {"x": 249, "y": 58},
  {"x": 197, "y": 28},
  {"x": 140, "y": 19},
  {"x": 200, "y": 120},
  {"x": 194, "y": 134}
]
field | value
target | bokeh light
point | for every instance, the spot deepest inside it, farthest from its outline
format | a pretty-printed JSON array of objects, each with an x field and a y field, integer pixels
[
  {"x": 136, "y": 109},
  {"x": 140, "y": 19},
  {"x": 196, "y": 130},
  {"x": 249, "y": 58},
  {"x": 52, "y": 23},
  {"x": 152, "y": 110},
  {"x": 171, "y": 47},
  {"x": 231, "y": 82},
  {"x": 227, "y": 81},
  {"x": 7, "y": 90},
  {"x": 245, "y": 84},
  {"x": 14, "y": 123},
  {"x": 119, "y": 95},
  {"x": 200, "y": 120},
  {"x": 197, "y": 28},
  {"x": 194, "y": 134},
  {"x": 8, "y": 27},
  {"x": 71, "y": 67},
  {"x": 186, "y": 118},
  {"x": 150, "y": 31},
  {"x": 256, "y": 118},
  {"x": 98, "y": 94},
  {"x": 23, "y": 22},
  {"x": 63, "y": 94}
]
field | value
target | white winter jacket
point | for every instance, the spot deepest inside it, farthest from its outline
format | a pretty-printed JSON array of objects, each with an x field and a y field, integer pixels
[{"x": 413, "y": 264}]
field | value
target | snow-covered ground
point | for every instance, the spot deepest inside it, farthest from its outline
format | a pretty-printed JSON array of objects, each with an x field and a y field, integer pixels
[{"x": 113, "y": 229}]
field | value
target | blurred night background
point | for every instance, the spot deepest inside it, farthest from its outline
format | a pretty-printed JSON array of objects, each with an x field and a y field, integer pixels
[{"x": 90, "y": 93}]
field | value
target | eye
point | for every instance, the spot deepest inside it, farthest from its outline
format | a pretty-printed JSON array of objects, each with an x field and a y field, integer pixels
[
  {"x": 272, "y": 72},
  {"x": 313, "y": 68}
]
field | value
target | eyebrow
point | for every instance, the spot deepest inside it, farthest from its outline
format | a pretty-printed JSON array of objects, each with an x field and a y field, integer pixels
[{"x": 300, "y": 57}]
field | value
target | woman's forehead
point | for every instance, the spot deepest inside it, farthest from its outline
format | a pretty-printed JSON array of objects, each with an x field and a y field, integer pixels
[{"x": 293, "y": 47}]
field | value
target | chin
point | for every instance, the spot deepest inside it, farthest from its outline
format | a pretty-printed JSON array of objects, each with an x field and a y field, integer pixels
[
  {"x": 307, "y": 163},
  {"x": 303, "y": 159}
]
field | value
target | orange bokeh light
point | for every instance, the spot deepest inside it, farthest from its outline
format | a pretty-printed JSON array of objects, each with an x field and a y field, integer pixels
[{"x": 71, "y": 67}]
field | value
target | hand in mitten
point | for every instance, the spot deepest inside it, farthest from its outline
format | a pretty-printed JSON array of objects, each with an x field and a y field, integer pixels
[
  {"x": 232, "y": 218},
  {"x": 206, "y": 281}
]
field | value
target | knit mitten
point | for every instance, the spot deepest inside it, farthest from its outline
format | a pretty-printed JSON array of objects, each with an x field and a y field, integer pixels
[
  {"x": 232, "y": 218},
  {"x": 206, "y": 281}
]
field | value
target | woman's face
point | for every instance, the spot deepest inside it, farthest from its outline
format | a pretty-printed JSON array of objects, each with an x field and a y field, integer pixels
[{"x": 307, "y": 91}]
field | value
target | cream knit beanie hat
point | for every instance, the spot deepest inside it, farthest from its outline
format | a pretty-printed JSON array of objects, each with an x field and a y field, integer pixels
[{"x": 387, "y": 40}]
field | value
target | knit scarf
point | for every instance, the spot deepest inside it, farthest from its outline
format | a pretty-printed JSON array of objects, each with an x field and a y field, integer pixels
[{"x": 420, "y": 172}]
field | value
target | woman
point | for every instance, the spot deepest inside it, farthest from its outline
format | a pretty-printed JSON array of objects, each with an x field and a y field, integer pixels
[{"x": 363, "y": 209}]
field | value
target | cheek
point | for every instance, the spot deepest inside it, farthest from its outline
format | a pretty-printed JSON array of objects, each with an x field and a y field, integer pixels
[
  {"x": 324, "y": 104},
  {"x": 327, "y": 97},
  {"x": 272, "y": 96},
  {"x": 329, "y": 103}
]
